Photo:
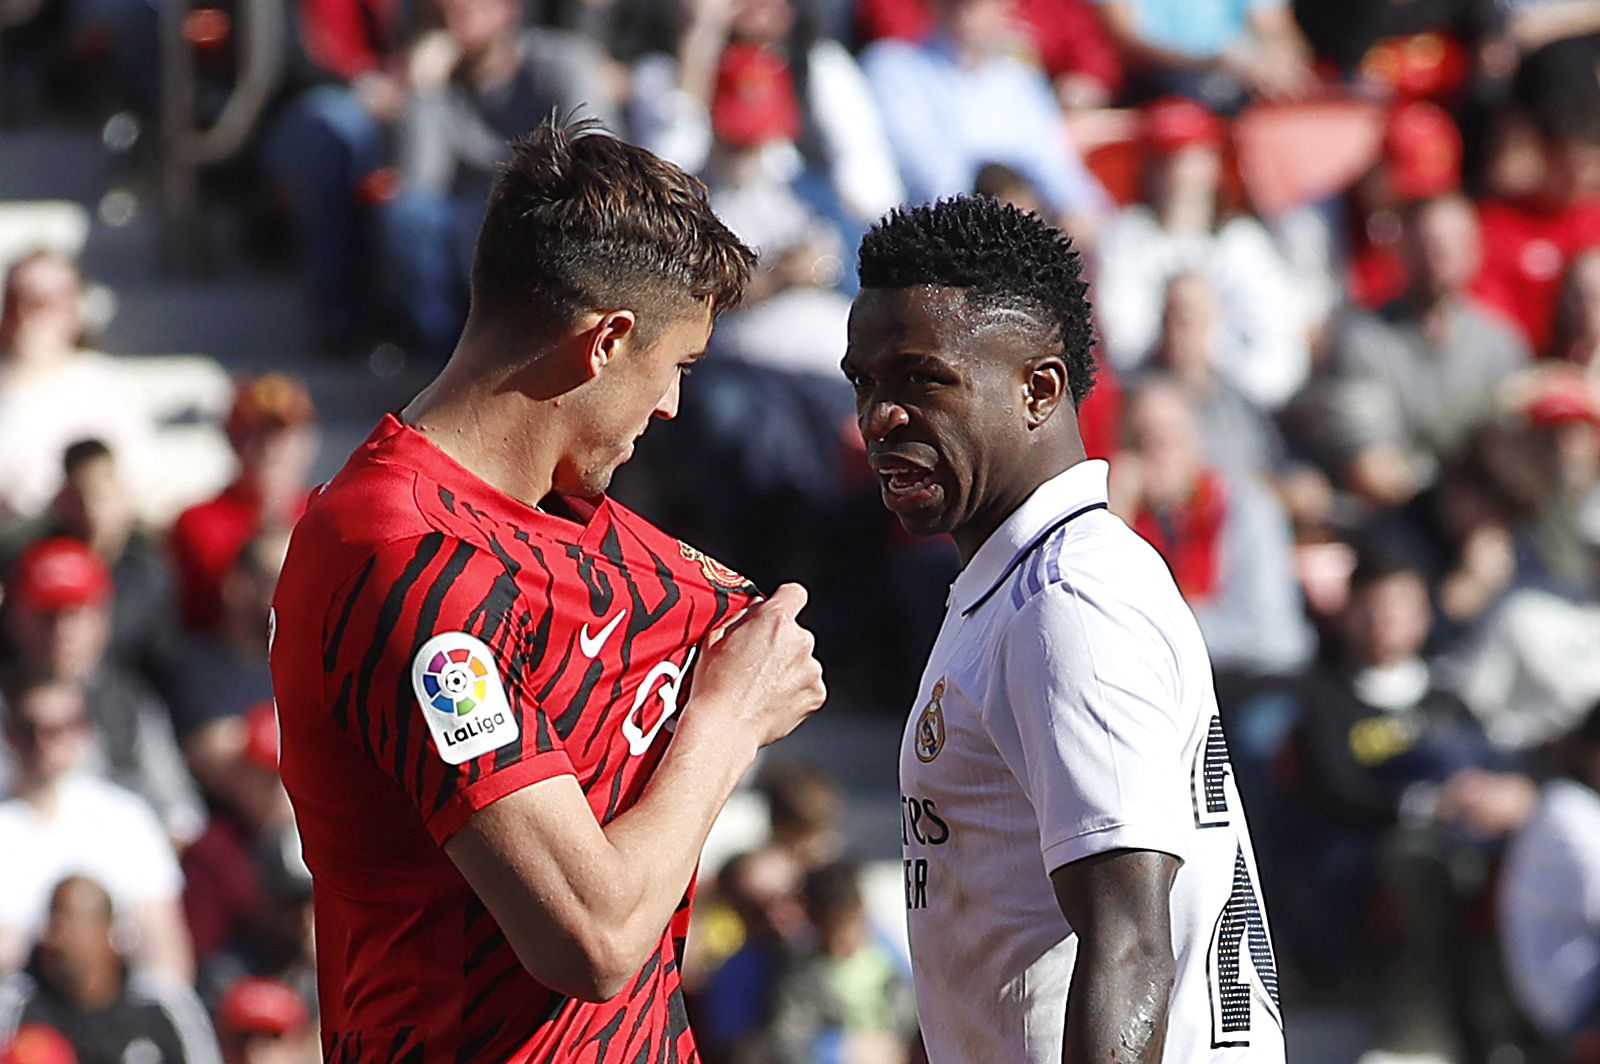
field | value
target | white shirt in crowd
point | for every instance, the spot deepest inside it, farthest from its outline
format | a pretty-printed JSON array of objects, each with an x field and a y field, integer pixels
[
  {"x": 1067, "y": 710},
  {"x": 1263, "y": 349},
  {"x": 1550, "y": 910},
  {"x": 97, "y": 830}
]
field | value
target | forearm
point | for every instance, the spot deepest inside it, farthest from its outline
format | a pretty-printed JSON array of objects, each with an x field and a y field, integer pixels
[
  {"x": 1117, "y": 1005},
  {"x": 659, "y": 840}
]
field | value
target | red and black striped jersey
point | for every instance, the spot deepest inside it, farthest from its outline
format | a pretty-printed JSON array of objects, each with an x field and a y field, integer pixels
[{"x": 437, "y": 646}]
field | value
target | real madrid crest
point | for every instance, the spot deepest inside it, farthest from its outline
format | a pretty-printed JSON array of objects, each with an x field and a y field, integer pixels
[{"x": 929, "y": 738}]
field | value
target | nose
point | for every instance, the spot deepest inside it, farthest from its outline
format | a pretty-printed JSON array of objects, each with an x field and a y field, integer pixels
[
  {"x": 878, "y": 418},
  {"x": 667, "y": 408}
]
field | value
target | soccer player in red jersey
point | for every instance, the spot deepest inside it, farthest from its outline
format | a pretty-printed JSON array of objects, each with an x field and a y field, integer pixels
[{"x": 479, "y": 658}]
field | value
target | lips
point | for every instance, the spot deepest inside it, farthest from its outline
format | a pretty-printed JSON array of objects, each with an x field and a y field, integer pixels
[{"x": 905, "y": 484}]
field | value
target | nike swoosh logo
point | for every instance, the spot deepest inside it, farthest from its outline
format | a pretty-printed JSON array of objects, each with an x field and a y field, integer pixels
[{"x": 592, "y": 645}]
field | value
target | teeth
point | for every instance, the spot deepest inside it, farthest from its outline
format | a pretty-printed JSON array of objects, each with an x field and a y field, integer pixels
[{"x": 903, "y": 482}]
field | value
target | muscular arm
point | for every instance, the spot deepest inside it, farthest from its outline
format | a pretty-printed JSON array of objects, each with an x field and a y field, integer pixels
[
  {"x": 1118, "y": 904},
  {"x": 584, "y": 905}
]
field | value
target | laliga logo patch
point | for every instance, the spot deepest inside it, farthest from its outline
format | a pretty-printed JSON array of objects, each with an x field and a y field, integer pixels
[
  {"x": 929, "y": 737},
  {"x": 462, "y": 697},
  {"x": 714, "y": 571}
]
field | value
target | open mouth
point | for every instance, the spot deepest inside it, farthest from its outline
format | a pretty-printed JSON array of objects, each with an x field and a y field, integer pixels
[{"x": 905, "y": 485}]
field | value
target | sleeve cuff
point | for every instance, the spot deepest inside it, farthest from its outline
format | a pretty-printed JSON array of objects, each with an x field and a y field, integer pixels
[
  {"x": 1159, "y": 837},
  {"x": 489, "y": 789}
]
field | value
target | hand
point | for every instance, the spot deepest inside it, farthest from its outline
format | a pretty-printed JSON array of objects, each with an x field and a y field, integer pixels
[
  {"x": 433, "y": 61},
  {"x": 757, "y": 677},
  {"x": 1490, "y": 804},
  {"x": 380, "y": 95}
]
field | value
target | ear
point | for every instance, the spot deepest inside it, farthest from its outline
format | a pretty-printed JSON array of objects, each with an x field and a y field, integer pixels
[
  {"x": 1044, "y": 388},
  {"x": 605, "y": 339}
]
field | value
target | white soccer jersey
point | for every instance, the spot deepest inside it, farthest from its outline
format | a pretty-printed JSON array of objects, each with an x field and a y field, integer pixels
[{"x": 1067, "y": 709}]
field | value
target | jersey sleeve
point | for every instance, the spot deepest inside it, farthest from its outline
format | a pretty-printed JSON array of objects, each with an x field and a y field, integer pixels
[
  {"x": 1086, "y": 719},
  {"x": 429, "y": 655}
]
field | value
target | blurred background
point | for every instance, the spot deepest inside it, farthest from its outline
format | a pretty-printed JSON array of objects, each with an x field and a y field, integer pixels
[{"x": 1346, "y": 268}]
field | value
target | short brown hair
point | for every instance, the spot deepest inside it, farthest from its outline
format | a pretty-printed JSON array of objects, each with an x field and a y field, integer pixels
[{"x": 579, "y": 220}]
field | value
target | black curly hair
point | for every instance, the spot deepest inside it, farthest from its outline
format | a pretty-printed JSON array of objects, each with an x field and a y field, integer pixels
[{"x": 1007, "y": 259}]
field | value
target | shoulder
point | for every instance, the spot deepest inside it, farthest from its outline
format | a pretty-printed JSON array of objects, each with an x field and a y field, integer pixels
[
  {"x": 114, "y": 808},
  {"x": 892, "y": 56},
  {"x": 1092, "y": 573}
]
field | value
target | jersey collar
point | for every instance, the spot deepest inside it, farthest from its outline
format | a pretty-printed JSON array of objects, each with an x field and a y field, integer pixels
[{"x": 1079, "y": 487}]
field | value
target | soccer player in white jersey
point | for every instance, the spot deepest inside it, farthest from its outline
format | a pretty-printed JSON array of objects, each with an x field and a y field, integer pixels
[{"x": 1079, "y": 881}]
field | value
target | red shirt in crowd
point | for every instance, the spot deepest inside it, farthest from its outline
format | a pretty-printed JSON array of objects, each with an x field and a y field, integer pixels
[
  {"x": 438, "y": 646},
  {"x": 1525, "y": 253},
  {"x": 206, "y": 540}
]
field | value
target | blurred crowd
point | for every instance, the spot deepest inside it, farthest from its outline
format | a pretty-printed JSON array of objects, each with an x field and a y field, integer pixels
[{"x": 1345, "y": 258}]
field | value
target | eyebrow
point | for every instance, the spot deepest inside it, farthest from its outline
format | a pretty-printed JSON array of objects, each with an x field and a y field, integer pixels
[{"x": 906, "y": 360}]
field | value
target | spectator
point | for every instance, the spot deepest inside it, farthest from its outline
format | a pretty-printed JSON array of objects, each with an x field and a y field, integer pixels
[
  {"x": 94, "y": 506},
  {"x": 960, "y": 99},
  {"x": 53, "y": 391},
  {"x": 80, "y": 984},
  {"x": 1530, "y": 673},
  {"x": 806, "y": 812},
  {"x": 322, "y": 149},
  {"x": 1226, "y": 540},
  {"x": 225, "y": 673},
  {"x": 1409, "y": 383},
  {"x": 1067, "y": 35},
  {"x": 1263, "y": 325},
  {"x": 1575, "y": 337},
  {"x": 58, "y": 626},
  {"x": 1399, "y": 788},
  {"x": 60, "y": 821},
  {"x": 261, "y": 1021},
  {"x": 1420, "y": 159},
  {"x": 272, "y": 428},
  {"x": 1240, "y": 438},
  {"x": 226, "y": 904},
  {"x": 475, "y": 83},
  {"x": 1529, "y": 239},
  {"x": 832, "y": 143},
  {"x": 1549, "y": 903},
  {"x": 844, "y": 997},
  {"x": 735, "y": 1005},
  {"x": 1219, "y": 53},
  {"x": 792, "y": 318}
]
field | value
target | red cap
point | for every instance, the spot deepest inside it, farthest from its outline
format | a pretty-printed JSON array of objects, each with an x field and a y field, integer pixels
[
  {"x": 59, "y": 574},
  {"x": 754, "y": 101},
  {"x": 1176, "y": 122},
  {"x": 270, "y": 401},
  {"x": 1561, "y": 403},
  {"x": 35, "y": 1043},
  {"x": 261, "y": 1006},
  {"x": 261, "y": 735},
  {"x": 1423, "y": 149}
]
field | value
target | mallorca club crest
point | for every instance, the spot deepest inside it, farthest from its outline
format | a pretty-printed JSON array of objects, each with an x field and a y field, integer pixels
[
  {"x": 717, "y": 573},
  {"x": 929, "y": 737}
]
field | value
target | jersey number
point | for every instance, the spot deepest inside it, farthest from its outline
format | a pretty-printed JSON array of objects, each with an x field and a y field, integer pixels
[{"x": 1240, "y": 957}]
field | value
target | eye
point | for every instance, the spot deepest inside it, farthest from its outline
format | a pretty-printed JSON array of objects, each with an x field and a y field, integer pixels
[
  {"x": 857, "y": 381},
  {"x": 922, "y": 379},
  {"x": 686, "y": 368}
]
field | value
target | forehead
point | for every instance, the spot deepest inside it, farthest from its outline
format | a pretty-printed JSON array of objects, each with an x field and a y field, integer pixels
[{"x": 929, "y": 320}]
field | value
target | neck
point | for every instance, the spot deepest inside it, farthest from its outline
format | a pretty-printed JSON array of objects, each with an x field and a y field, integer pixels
[
  {"x": 994, "y": 512},
  {"x": 495, "y": 64},
  {"x": 489, "y": 430},
  {"x": 94, "y": 987},
  {"x": 41, "y": 792},
  {"x": 1186, "y": 216}
]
